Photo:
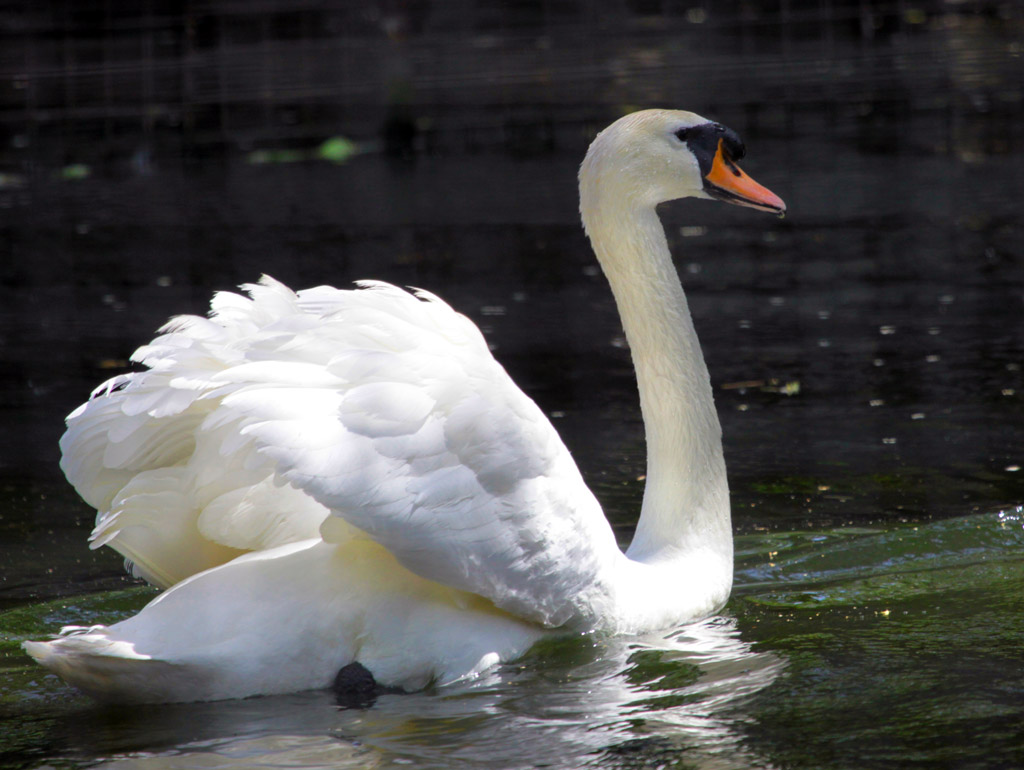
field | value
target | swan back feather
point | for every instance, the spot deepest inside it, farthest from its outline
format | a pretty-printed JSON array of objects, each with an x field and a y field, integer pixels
[{"x": 286, "y": 415}]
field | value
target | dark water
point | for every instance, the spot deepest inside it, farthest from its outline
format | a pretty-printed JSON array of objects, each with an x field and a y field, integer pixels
[{"x": 866, "y": 351}]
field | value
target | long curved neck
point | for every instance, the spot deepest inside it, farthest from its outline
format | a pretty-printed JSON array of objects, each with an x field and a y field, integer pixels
[{"x": 686, "y": 498}]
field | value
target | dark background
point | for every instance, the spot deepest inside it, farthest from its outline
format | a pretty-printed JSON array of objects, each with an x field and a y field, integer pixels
[{"x": 866, "y": 351}]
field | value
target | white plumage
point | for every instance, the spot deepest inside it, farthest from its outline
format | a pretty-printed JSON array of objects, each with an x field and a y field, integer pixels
[{"x": 328, "y": 476}]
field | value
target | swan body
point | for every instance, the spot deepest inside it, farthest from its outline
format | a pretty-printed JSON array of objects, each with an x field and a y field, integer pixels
[{"x": 333, "y": 476}]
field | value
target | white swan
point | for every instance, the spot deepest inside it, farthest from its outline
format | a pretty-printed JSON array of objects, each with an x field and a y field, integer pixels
[{"x": 328, "y": 477}]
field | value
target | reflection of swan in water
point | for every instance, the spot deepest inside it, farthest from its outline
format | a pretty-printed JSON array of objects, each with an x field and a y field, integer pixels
[
  {"x": 349, "y": 476},
  {"x": 588, "y": 702}
]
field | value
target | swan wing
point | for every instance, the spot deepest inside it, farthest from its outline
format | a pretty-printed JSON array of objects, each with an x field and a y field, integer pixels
[
  {"x": 377, "y": 413},
  {"x": 175, "y": 494},
  {"x": 416, "y": 436}
]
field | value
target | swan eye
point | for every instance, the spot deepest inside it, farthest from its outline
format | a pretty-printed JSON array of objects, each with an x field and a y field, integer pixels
[{"x": 683, "y": 134}]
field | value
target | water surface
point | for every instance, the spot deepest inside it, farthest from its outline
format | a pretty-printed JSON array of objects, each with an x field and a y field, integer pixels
[{"x": 866, "y": 351}]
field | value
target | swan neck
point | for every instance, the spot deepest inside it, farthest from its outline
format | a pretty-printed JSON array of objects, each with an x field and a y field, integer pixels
[{"x": 685, "y": 508}]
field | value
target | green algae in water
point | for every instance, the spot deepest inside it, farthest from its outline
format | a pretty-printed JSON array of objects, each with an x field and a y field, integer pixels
[
  {"x": 35, "y": 621},
  {"x": 565, "y": 651},
  {"x": 897, "y": 647},
  {"x": 20, "y": 677},
  {"x": 32, "y": 700},
  {"x": 787, "y": 485},
  {"x": 903, "y": 648},
  {"x": 654, "y": 670}
]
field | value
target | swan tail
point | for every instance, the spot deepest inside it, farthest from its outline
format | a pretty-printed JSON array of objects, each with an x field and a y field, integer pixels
[
  {"x": 243, "y": 628},
  {"x": 108, "y": 669},
  {"x": 284, "y": 620}
]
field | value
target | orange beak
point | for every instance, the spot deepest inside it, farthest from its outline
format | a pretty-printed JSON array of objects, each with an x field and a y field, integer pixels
[{"x": 727, "y": 182}]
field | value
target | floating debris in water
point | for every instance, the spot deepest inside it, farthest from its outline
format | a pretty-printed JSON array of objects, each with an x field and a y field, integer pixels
[
  {"x": 791, "y": 388},
  {"x": 11, "y": 181},
  {"x": 337, "y": 149},
  {"x": 75, "y": 172}
]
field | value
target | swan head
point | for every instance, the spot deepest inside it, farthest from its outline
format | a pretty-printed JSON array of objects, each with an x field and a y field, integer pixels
[{"x": 653, "y": 156}]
